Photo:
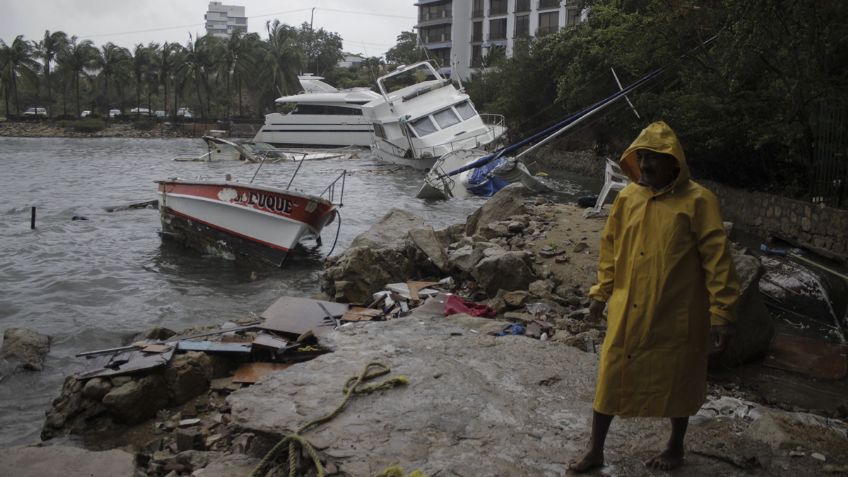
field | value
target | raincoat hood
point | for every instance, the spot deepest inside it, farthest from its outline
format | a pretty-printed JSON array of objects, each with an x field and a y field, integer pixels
[{"x": 657, "y": 137}]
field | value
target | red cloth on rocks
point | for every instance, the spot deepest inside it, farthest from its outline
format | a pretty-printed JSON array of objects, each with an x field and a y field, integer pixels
[{"x": 455, "y": 304}]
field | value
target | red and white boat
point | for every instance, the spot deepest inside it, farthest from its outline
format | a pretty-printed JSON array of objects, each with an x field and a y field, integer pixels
[{"x": 243, "y": 219}]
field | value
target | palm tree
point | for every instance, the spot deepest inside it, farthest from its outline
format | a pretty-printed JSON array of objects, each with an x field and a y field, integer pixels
[
  {"x": 140, "y": 60},
  {"x": 19, "y": 62},
  {"x": 284, "y": 57},
  {"x": 5, "y": 78},
  {"x": 247, "y": 54},
  {"x": 47, "y": 49},
  {"x": 76, "y": 58},
  {"x": 112, "y": 60},
  {"x": 151, "y": 72},
  {"x": 164, "y": 65}
]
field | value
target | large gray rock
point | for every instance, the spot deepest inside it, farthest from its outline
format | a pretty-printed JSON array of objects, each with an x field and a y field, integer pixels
[
  {"x": 507, "y": 202},
  {"x": 137, "y": 399},
  {"x": 427, "y": 241},
  {"x": 503, "y": 271},
  {"x": 361, "y": 271},
  {"x": 384, "y": 254},
  {"x": 389, "y": 231},
  {"x": 754, "y": 328},
  {"x": 61, "y": 461},
  {"x": 188, "y": 375},
  {"x": 25, "y": 349}
]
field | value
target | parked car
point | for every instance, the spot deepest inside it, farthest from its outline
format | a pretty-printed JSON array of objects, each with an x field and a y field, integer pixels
[
  {"x": 114, "y": 113},
  {"x": 85, "y": 114},
  {"x": 159, "y": 114},
  {"x": 184, "y": 113},
  {"x": 35, "y": 113},
  {"x": 140, "y": 111}
]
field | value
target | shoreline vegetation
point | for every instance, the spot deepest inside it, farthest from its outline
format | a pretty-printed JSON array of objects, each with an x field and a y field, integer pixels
[
  {"x": 466, "y": 395},
  {"x": 96, "y": 128}
]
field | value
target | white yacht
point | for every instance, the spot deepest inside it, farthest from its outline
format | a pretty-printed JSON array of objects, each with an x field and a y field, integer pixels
[
  {"x": 420, "y": 116},
  {"x": 323, "y": 116}
]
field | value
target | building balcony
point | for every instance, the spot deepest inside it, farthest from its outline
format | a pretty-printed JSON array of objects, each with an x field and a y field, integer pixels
[
  {"x": 477, "y": 14},
  {"x": 522, "y": 6},
  {"x": 549, "y": 4},
  {"x": 435, "y": 21},
  {"x": 497, "y": 37},
  {"x": 497, "y": 12}
]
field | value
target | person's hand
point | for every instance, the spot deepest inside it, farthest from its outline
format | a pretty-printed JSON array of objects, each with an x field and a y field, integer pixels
[
  {"x": 718, "y": 338},
  {"x": 596, "y": 310}
]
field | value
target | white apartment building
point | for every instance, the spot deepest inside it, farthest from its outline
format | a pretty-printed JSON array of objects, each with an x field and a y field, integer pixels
[
  {"x": 459, "y": 33},
  {"x": 223, "y": 20}
]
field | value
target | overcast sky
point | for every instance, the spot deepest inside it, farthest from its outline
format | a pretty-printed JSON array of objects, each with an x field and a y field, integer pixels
[{"x": 367, "y": 27}]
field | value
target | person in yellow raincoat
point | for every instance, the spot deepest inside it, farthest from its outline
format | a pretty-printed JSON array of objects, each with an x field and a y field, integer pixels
[{"x": 666, "y": 276}]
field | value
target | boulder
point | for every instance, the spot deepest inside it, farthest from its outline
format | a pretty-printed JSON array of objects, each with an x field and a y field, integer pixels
[
  {"x": 384, "y": 254},
  {"x": 426, "y": 240},
  {"x": 754, "y": 328},
  {"x": 507, "y": 202},
  {"x": 138, "y": 399},
  {"x": 25, "y": 349},
  {"x": 390, "y": 231},
  {"x": 361, "y": 271},
  {"x": 490, "y": 271},
  {"x": 96, "y": 388},
  {"x": 188, "y": 375}
]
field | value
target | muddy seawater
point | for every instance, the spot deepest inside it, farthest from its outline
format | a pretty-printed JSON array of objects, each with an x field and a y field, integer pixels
[{"x": 97, "y": 281}]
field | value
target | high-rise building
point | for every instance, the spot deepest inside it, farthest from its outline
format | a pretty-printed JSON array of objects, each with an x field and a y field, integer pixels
[
  {"x": 460, "y": 33},
  {"x": 223, "y": 20}
]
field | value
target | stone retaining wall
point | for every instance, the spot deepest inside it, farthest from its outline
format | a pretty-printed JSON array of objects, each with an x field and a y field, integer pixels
[
  {"x": 819, "y": 228},
  {"x": 816, "y": 227}
]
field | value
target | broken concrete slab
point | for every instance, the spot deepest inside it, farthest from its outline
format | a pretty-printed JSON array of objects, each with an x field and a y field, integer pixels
[
  {"x": 296, "y": 316},
  {"x": 62, "y": 461},
  {"x": 476, "y": 405}
]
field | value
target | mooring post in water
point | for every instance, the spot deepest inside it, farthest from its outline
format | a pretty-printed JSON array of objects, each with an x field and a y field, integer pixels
[{"x": 32, "y": 219}]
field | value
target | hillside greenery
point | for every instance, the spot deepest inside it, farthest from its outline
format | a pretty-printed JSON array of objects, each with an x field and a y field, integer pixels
[{"x": 747, "y": 105}]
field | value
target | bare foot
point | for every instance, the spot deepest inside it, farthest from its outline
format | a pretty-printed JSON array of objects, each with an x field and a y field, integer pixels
[
  {"x": 590, "y": 460},
  {"x": 669, "y": 459}
]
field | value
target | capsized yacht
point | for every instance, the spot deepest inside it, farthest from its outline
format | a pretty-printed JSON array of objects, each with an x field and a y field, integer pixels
[
  {"x": 323, "y": 116},
  {"x": 420, "y": 116}
]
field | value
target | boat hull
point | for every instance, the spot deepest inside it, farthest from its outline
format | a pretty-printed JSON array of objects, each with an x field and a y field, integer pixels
[
  {"x": 246, "y": 221},
  {"x": 315, "y": 131}
]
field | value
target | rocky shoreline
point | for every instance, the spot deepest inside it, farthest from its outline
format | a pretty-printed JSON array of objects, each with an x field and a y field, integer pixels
[
  {"x": 112, "y": 129},
  {"x": 469, "y": 403}
]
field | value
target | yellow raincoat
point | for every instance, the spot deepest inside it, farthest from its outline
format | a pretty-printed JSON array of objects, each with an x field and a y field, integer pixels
[{"x": 665, "y": 270}]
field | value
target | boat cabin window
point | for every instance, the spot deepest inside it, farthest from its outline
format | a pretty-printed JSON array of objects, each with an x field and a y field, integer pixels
[
  {"x": 379, "y": 131},
  {"x": 423, "y": 126},
  {"x": 446, "y": 118},
  {"x": 465, "y": 110},
  {"x": 319, "y": 109}
]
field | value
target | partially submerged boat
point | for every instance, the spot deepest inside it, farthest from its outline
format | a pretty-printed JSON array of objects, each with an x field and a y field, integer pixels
[
  {"x": 421, "y": 116},
  {"x": 219, "y": 149},
  {"x": 321, "y": 116},
  {"x": 243, "y": 219}
]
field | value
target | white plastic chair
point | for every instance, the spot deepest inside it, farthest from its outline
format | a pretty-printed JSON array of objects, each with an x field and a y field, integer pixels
[{"x": 614, "y": 179}]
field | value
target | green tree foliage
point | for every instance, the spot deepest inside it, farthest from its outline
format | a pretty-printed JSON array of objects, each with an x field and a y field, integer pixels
[
  {"x": 745, "y": 105},
  {"x": 406, "y": 51}
]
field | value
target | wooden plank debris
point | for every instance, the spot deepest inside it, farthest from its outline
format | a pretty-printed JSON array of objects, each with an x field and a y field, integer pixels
[
  {"x": 249, "y": 373},
  {"x": 357, "y": 313}
]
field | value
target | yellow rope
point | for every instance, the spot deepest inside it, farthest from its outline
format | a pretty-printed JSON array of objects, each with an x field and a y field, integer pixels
[{"x": 353, "y": 386}]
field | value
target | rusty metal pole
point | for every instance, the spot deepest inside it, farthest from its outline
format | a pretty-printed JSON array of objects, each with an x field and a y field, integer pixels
[{"x": 32, "y": 219}]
